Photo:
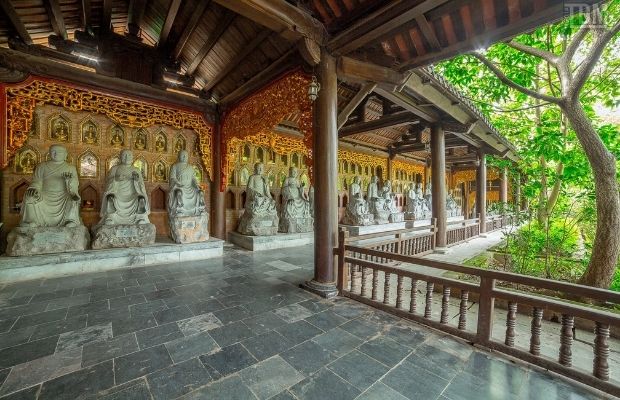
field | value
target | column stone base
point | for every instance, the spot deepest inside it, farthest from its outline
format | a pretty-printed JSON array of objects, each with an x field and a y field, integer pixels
[
  {"x": 326, "y": 290},
  {"x": 442, "y": 250}
]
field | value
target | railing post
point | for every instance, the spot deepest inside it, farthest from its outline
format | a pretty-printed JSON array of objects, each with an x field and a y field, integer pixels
[
  {"x": 343, "y": 234},
  {"x": 485, "y": 310},
  {"x": 434, "y": 237},
  {"x": 397, "y": 245}
]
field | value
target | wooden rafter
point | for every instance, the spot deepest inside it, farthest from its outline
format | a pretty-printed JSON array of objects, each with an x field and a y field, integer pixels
[
  {"x": 135, "y": 13},
  {"x": 356, "y": 70},
  {"x": 86, "y": 14},
  {"x": 170, "y": 17},
  {"x": 428, "y": 32},
  {"x": 354, "y": 102},
  {"x": 238, "y": 59},
  {"x": 387, "y": 22},
  {"x": 196, "y": 16},
  {"x": 396, "y": 119},
  {"x": 106, "y": 20},
  {"x": 220, "y": 28},
  {"x": 289, "y": 21},
  {"x": 56, "y": 19},
  {"x": 17, "y": 23},
  {"x": 407, "y": 103}
]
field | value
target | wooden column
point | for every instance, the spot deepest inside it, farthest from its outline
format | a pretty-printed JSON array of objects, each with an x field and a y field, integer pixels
[
  {"x": 438, "y": 179},
  {"x": 481, "y": 192},
  {"x": 325, "y": 178},
  {"x": 517, "y": 199},
  {"x": 503, "y": 188},
  {"x": 466, "y": 204},
  {"x": 218, "y": 211}
]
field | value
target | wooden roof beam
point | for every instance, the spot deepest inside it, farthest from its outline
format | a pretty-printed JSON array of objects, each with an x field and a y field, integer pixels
[
  {"x": 408, "y": 104},
  {"x": 17, "y": 23},
  {"x": 56, "y": 19},
  {"x": 220, "y": 28},
  {"x": 190, "y": 27},
  {"x": 106, "y": 20},
  {"x": 289, "y": 21},
  {"x": 350, "y": 69},
  {"x": 361, "y": 36},
  {"x": 173, "y": 10},
  {"x": 86, "y": 15},
  {"x": 237, "y": 59},
  {"x": 428, "y": 32},
  {"x": 134, "y": 15},
  {"x": 354, "y": 102},
  {"x": 389, "y": 121}
]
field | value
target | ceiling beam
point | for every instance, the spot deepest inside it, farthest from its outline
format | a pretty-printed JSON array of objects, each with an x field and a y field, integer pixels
[
  {"x": 135, "y": 12},
  {"x": 106, "y": 20},
  {"x": 408, "y": 104},
  {"x": 289, "y": 21},
  {"x": 190, "y": 27},
  {"x": 262, "y": 78},
  {"x": 428, "y": 32},
  {"x": 17, "y": 23},
  {"x": 238, "y": 59},
  {"x": 354, "y": 102},
  {"x": 363, "y": 36},
  {"x": 56, "y": 19},
  {"x": 220, "y": 28},
  {"x": 422, "y": 146},
  {"x": 355, "y": 70},
  {"x": 396, "y": 119},
  {"x": 86, "y": 15},
  {"x": 173, "y": 10}
]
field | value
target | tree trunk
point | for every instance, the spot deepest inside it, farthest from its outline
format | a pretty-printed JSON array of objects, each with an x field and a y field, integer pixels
[{"x": 606, "y": 245}]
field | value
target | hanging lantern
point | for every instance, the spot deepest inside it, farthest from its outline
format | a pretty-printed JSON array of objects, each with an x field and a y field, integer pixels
[{"x": 313, "y": 89}]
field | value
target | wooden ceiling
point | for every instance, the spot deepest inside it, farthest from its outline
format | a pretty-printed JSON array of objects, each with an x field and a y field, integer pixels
[{"x": 222, "y": 50}]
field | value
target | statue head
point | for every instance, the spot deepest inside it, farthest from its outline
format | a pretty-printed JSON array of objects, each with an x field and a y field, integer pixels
[
  {"x": 292, "y": 172},
  {"x": 259, "y": 168},
  {"x": 387, "y": 185},
  {"x": 126, "y": 157},
  {"x": 183, "y": 156},
  {"x": 58, "y": 153},
  {"x": 374, "y": 179},
  {"x": 357, "y": 179}
]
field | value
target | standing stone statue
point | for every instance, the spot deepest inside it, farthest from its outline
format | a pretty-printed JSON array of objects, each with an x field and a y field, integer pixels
[
  {"x": 389, "y": 203},
  {"x": 189, "y": 222},
  {"x": 376, "y": 203},
  {"x": 50, "y": 213},
  {"x": 295, "y": 211},
  {"x": 311, "y": 198},
  {"x": 357, "y": 212},
  {"x": 428, "y": 196},
  {"x": 452, "y": 208},
  {"x": 422, "y": 210},
  {"x": 412, "y": 200},
  {"x": 260, "y": 217},
  {"x": 124, "y": 209}
]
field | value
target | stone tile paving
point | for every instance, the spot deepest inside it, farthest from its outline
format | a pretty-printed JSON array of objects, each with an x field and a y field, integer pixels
[{"x": 237, "y": 327}]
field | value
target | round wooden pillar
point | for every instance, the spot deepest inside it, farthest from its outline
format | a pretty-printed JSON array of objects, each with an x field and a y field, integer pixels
[
  {"x": 481, "y": 192},
  {"x": 325, "y": 171},
  {"x": 218, "y": 211},
  {"x": 438, "y": 179},
  {"x": 503, "y": 188}
]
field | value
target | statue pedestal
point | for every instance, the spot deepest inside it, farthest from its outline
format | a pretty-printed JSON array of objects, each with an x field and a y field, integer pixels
[
  {"x": 27, "y": 241},
  {"x": 265, "y": 225},
  {"x": 296, "y": 225},
  {"x": 189, "y": 229},
  {"x": 111, "y": 236},
  {"x": 409, "y": 216},
  {"x": 279, "y": 241},
  {"x": 358, "y": 220},
  {"x": 382, "y": 217},
  {"x": 397, "y": 217}
]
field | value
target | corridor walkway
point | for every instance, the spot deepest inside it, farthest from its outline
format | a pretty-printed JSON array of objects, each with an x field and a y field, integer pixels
[{"x": 235, "y": 328}]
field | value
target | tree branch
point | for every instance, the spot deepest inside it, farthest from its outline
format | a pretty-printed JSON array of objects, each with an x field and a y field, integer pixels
[
  {"x": 574, "y": 44},
  {"x": 504, "y": 79},
  {"x": 583, "y": 72},
  {"x": 534, "y": 51}
]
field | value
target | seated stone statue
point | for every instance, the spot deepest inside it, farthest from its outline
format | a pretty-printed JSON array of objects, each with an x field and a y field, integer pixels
[
  {"x": 452, "y": 208},
  {"x": 376, "y": 203},
  {"x": 260, "y": 217},
  {"x": 421, "y": 210},
  {"x": 50, "y": 213},
  {"x": 124, "y": 209},
  {"x": 52, "y": 198},
  {"x": 189, "y": 222},
  {"x": 357, "y": 212},
  {"x": 389, "y": 203},
  {"x": 295, "y": 214}
]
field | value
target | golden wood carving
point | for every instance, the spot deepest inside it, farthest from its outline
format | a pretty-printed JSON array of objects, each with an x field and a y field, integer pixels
[
  {"x": 21, "y": 99},
  {"x": 470, "y": 176},
  {"x": 262, "y": 111},
  {"x": 408, "y": 168},
  {"x": 364, "y": 160}
]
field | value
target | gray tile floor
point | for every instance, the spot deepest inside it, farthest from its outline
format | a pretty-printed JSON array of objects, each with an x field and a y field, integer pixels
[{"x": 234, "y": 328}]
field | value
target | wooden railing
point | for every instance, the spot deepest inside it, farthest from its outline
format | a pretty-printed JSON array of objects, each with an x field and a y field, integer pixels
[
  {"x": 460, "y": 231},
  {"x": 496, "y": 222},
  {"x": 372, "y": 277}
]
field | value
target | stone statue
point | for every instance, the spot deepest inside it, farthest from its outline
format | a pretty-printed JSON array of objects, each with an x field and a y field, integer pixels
[
  {"x": 295, "y": 211},
  {"x": 452, "y": 208},
  {"x": 311, "y": 198},
  {"x": 124, "y": 209},
  {"x": 428, "y": 196},
  {"x": 376, "y": 203},
  {"x": 50, "y": 212},
  {"x": 422, "y": 209},
  {"x": 260, "y": 217},
  {"x": 412, "y": 200},
  {"x": 187, "y": 214},
  {"x": 389, "y": 203},
  {"x": 357, "y": 212}
]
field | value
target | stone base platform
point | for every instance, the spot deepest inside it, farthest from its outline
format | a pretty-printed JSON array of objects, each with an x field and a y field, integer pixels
[
  {"x": 54, "y": 265},
  {"x": 111, "y": 236},
  {"x": 189, "y": 229},
  {"x": 278, "y": 241},
  {"x": 358, "y": 230},
  {"x": 27, "y": 241}
]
